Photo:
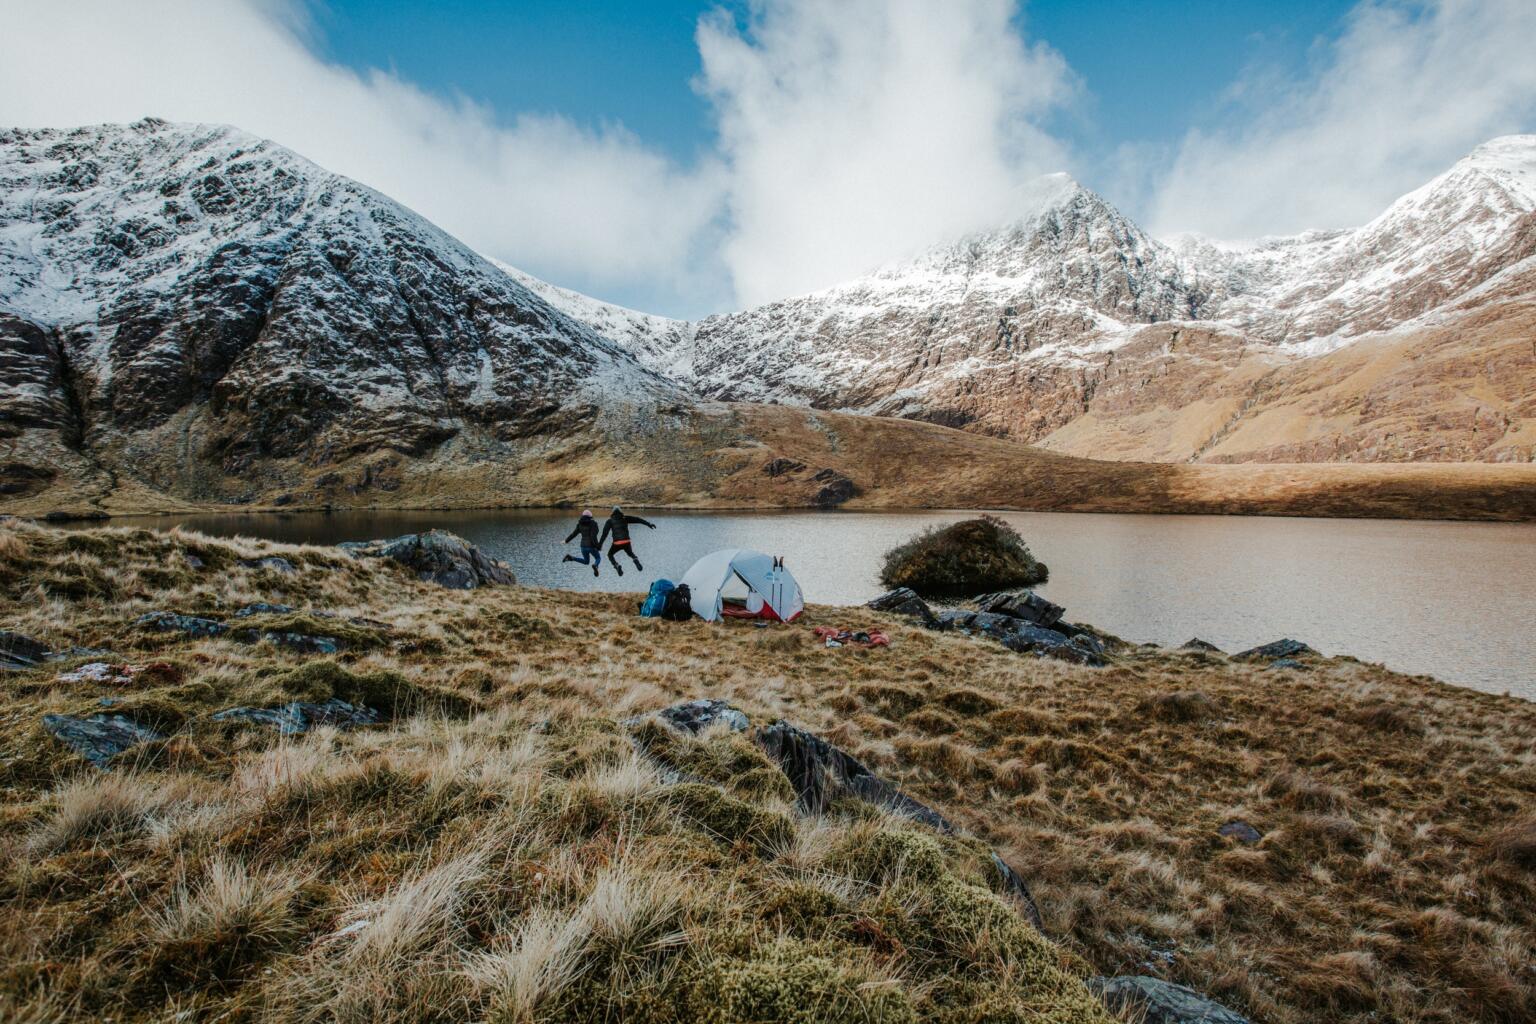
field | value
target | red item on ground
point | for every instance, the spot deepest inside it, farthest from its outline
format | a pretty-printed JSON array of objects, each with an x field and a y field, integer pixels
[{"x": 862, "y": 638}]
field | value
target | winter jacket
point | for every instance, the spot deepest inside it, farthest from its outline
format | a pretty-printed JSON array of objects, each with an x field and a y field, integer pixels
[
  {"x": 618, "y": 525},
  {"x": 586, "y": 526}
]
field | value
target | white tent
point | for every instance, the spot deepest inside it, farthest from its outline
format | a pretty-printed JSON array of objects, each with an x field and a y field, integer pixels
[{"x": 771, "y": 589}]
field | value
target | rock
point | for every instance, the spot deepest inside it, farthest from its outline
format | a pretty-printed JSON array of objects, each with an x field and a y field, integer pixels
[
  {"x": 1160, "y": 1002},
  {"x": 262, "y": 608},
  {"x": 171, "y": 622},
  {"x": 18, "y": 651},
  {"x": 1026, "y": 605},
  {"x": 1196, "y": 644},
  {"x": 98, "y": 738},
  {"x": 694, "y": 716},
  {"x": 782, "y": 467},
  {"x": 969, "y": 557},
  {"x": 904, "y": 601},
  {"x": 98, "y": 672},
  {"x": 301, "y": 716},
  {"x": 304, "y": 643},
  {"x": 1013, "y": 885},
  {"x": 193, "y": 562},
  {"x": 835, "y": 488},
  {"x": 1278, "y": 649},
  {"x": 439, "y": 557},
  {"x": 1286, "y": 663},
  {"x": 819, "y": 771},
  {"x": 272, "y": 562},
  {"x": 1024, "y": 637},
  {"x": 1241, "y": 831}
]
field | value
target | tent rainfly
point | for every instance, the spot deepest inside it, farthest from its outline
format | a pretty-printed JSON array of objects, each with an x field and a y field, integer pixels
[{"x": 772, "y": 592}]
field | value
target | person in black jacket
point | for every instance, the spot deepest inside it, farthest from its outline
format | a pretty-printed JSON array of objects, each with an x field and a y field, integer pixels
[
  {"x": 618, "y": 526},
  {"x": 591, "y": 547}
]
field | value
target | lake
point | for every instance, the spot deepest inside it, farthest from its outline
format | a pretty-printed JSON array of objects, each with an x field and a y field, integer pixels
[{"x": 1452, "y": 600}]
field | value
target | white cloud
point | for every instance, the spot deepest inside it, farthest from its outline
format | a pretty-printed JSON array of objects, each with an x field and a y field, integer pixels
[
  {"x": 1408, "y": 89},
  {"x": 592, "y": 208},
  {"x": 860, "y": 131}
]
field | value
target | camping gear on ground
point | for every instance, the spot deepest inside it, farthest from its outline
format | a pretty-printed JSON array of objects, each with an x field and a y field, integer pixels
[
  {"x": 860, "y": 638},
  {"x": 656, "y": 600},
  {"x": 771, "y": 591},
  {"x": 678, "y": 606}
]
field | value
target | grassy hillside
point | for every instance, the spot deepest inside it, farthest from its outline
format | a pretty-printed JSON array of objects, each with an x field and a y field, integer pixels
[
  {"x": 752, "y": 456},
  {"x": 516, "y": 860}
]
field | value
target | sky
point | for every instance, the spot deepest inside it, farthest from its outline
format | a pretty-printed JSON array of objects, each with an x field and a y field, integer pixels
[{"x": 692, "y": 157}]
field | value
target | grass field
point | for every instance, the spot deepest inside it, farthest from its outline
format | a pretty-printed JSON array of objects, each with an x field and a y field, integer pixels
[{"x": 514, "y": 859}]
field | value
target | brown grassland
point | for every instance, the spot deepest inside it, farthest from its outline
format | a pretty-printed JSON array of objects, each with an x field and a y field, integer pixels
[
  {"x": 719, "y": 456},
  {"x": 515, "y": 860}
]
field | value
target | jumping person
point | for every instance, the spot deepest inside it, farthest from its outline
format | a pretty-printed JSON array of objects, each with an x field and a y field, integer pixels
[
  {"x": 618, "y": 525},
  {"x": 591, "y": 547}
]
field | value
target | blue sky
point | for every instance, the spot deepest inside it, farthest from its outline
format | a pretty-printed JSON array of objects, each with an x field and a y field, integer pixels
[
  {"x": 687, "y": 158},
  {"x": 1150, "y": 71}
]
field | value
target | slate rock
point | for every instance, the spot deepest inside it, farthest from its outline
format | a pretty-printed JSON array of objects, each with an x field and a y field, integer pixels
[
  {"x": 694, "y": 716},
  {"x": 1241, "y": 831},
  {"x": 171, "y": 622},
  {"x": 98, "y": 738},
  {"x": 1196, "y": 644},
  {"x": 438, "y": 557},
  {"x": 301, "y": 716},
  {"x": 818, "y": 771},
  {"x": 263, "y": 608},
  {"x": 272, "y": 562},
  {"x": 1278, "y": 649},
  {"x": 835, "y": 488},
  {"x": 904, "y": 601},
  {"x": 304, "y": 643},
  {"x": 1026, "y": 605},
  {"x": 18, "y": 651},
  {"x": 1160, "y": 1002},
  {"x": 782, "y": 466},
  {"x": 1290, "y": 663},
  {"x": 1013, "y": 885}
]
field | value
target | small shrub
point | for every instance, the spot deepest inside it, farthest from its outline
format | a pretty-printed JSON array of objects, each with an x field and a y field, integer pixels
[{"x": 965, "y": 558}]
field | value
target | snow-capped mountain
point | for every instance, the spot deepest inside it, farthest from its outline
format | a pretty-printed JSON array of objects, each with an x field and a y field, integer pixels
[
  {"x": 181, "y": 289},
  {"x": 1072, "y": 316}
]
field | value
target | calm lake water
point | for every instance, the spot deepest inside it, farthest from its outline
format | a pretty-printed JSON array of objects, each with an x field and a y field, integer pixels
[{"x": 1452, "y": 600}]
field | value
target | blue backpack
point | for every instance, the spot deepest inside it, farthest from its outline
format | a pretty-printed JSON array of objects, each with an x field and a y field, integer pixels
[{"x": 656, "y": 600}]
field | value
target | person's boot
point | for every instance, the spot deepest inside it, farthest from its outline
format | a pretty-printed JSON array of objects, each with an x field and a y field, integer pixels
[
  {"x": 616, "y": 567},
  {"x": 568, "y": 558},
  {"x": 638, "y": 566},
  {"x": 594, "y": 570}
]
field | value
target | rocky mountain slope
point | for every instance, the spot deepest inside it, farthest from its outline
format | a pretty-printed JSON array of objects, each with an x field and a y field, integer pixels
[
  {"x": 1074, "y": 329},
  {"x": 203, "y": 306}
]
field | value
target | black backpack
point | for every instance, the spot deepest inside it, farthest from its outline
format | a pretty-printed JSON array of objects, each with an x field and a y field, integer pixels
[{"x": 679, "y": 607}]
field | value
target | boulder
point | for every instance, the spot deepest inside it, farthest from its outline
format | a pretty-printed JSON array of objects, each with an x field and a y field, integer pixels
[
  {"x": 818, "y": 771},
  {"x": 98, "y": 738},
  {"x": 1154, "y": 1001},
  {"x": 904, "y": 601},
  {"x": 1026, "y": 605},
  {"x": 272, "y": 562},
  {"x": 1026, "y": 638},
  {"x": 301, "y": 716},
  {"x": 835, "y": 488},
  {"x": 694, "y": 716},
  {"x": 1196, "y": 644},
  {"x": 969, "y": 557},
  {"x": 438, "y": 557},
  {"x": 304, "y": 643},
  {"x": 171, "y": 622},
  {"x": 1286, "y": 663},
  {"x": 18, "y": 651},
  {"x": 1241, "y": 831},
  {"x": 1278, "y": 649},
  {"x": 782, "y": 467}
]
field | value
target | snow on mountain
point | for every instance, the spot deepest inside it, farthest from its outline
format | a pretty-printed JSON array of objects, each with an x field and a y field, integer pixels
[
  {"x": 1012, "y": 330},
  {"x": 153, "y": 270}
]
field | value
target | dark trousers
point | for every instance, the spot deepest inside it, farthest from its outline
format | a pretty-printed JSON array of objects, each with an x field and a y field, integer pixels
[{"x": 622, "y": 545}]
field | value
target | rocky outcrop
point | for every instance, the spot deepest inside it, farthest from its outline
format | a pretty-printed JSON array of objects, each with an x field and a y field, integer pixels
[
  {"x": 1025, "y": 637},
  {"x": 694, "y": 716},
  {"x": 962, "y": 559},
  {"x": 438, "y": 557},
  {"x": 904, "y": 601},
  {"x": 172, "y": 622},
  {"x": 18, "y": 651},
  {"x": 1286, "y": 648},
  {"x": 1154, "y": 1001},
  {"x": 1026, "y": 605},
  {"x": 98, "y": 738},
  {"x": 298, "y": 717}
]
